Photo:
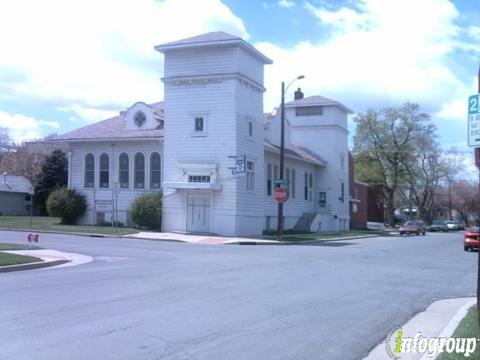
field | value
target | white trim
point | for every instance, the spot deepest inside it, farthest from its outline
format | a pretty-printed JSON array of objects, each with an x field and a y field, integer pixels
[{"x": 192, "y": 185}]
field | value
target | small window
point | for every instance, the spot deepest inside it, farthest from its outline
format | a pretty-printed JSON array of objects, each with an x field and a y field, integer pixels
[
  {"x": 322, "y": 199},
  {"x": 104, "y": 171},
  {"x": 139, "y": 176},
  {"x": 199, "y": 124},
  {"x": 275, "y": 174},
  {"x": 269, "y": 180},
  {"x": 342, "y": 192},
  {"x": 287, "y": 177},
  {"x": 199, "y": 178},
  {"x": 310, "y": 187},
  {"x": 123, "y": 171},
  {"x": 139, "y": 118},
  {"x": 155, "y": 171},
  {"x": 250, "y": 176},
  {"x": 294, "y": 181},
  {"x": 342, "y": 161},
  {"x": 89, "y": 181},
  {"x": 250, "y": 128},
  {"x": 309, "y": 110},
  {"x": 305, "y": 187}
]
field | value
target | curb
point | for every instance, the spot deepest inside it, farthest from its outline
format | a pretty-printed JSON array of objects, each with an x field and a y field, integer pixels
[
  {"x": 32, "y": 266},
  {"x": 453, "y": 324},
  {"x": 64, "y": 233}
]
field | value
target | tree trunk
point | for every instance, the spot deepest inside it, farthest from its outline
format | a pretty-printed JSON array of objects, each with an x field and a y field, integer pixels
[{"x": 390, "y": 209}]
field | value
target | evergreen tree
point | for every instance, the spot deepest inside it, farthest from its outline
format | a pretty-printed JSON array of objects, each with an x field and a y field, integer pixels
[{"x": 54, "y": 175}]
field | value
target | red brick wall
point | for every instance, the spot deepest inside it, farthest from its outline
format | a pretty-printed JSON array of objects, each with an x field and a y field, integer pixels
[{"x": 358, "y": 200}]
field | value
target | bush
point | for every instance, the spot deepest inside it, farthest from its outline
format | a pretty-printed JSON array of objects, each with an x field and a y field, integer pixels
[
  {"x": 66, "y": 204},
  {"x": 146, "y": 211}
]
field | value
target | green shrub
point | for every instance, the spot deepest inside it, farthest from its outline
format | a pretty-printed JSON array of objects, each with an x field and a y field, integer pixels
[
  {"x": 66, "y": 204},
  {"x": 146, "y": 211}
]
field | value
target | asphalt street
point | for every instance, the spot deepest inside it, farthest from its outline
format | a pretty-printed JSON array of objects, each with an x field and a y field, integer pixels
[{"x": 143, "y": 299}]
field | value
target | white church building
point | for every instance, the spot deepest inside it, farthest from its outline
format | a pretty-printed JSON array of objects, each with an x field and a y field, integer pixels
[{"x": 213, "y": 152}]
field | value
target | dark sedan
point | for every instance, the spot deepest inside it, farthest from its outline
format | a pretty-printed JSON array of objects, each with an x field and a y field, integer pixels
[{"x": 439, "y": 226}]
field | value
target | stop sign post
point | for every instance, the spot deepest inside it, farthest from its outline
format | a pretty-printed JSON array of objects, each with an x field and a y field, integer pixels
[{"x": 280, "y": 195}]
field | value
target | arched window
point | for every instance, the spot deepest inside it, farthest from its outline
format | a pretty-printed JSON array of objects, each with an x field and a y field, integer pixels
[
  {"x": 123, "y": 171},
  {"x": 139, "y": 181},
  {"x": 89, "y": 181},
  {"x": 104, "y": 171},
  {"x": 155, "y": 171}
]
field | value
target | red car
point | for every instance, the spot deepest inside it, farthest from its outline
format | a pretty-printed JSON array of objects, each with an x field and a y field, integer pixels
[
  {"x": 413, "y": 227},
  {"x": 471, "y": 239}
]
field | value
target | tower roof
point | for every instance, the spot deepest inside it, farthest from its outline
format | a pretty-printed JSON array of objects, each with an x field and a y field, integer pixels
[
  {"x": 317, "y": 100},
  {"x": 217, "y": 38}
]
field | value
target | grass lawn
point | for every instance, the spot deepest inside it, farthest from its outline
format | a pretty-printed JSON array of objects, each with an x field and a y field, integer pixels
[
  {"x": 53, "y": 224},
  {"x": 467, "y": 328},
  {"x": 295, "y": 236},
  {"x": 14, "y": 259},
  {"x": 5, "y": 246}
]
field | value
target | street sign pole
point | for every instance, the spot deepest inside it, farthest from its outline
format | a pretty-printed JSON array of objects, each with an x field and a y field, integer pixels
[{"x": 471, "y": 110}]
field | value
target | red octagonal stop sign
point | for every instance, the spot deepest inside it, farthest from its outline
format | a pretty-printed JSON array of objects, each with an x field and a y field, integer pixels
[{"x": 280, "y": 195}]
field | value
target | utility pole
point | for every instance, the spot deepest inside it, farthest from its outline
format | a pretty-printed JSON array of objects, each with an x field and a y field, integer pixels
[{"x": 282, "y": 155}]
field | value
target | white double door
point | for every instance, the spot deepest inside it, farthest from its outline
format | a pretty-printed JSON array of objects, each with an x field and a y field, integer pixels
[{"x": 198, "y": 213}]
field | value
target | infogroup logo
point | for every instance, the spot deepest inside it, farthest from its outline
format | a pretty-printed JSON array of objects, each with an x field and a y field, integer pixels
[{"x": 397, "y": 344}]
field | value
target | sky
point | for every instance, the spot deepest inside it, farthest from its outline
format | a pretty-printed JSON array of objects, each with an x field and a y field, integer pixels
[{"x": 65, "y": 64}]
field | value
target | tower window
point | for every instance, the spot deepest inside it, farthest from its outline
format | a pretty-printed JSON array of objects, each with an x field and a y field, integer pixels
[
  {"x": 309, "y": 110},
  {"x": 199, "y": 124}
]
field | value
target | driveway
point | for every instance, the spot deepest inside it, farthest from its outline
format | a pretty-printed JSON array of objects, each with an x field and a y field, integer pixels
[{"x": 144, "y": 299}]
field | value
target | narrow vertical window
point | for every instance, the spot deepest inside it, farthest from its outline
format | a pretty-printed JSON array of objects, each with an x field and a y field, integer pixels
[
  {"x": 294, "y": 181},
  {"x": 342, "y": 192},
  {"x": 199, "y": 124},
  {"x": 310, "y": 186},
  {"x": 250, "y": 128},
  {"x": 305, "y": 186},
  {"x": 139, "y": 176},
  {"x": 250, "y": 176},
  {"x": 322, "y": 199},
  {"x": 155, "y": 171},
  {"x": 123, "y": 171},
  {"x": 287, "y": 177},
  {"x": 104, "y": 171},
  {"x": 89, "y": 171},
  {"x": 275, "y": 174},
  {"x": 269, "y": 180}
]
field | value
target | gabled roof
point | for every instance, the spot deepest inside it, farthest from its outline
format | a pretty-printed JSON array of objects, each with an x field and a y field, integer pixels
[
  {"x": 114, "y": 128},
  {"x": 216, "y": 38},
  {"x": 317, "y": 100},
  {"x": 15, "y": 184}
]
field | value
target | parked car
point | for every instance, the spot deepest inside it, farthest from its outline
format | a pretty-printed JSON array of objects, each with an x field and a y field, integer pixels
[
  {"x": 439, "y": 226},
  {"x": 453, "y": 224},
  {"x": 471, "y": 238},
  {"x": 413, "y": 227}
]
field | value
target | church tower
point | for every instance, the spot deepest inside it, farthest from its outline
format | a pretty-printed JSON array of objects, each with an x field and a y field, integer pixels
[{"x": 213, "y": 141}]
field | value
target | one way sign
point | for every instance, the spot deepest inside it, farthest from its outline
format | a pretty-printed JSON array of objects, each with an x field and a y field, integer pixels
[{"x": 474, "y": 120}]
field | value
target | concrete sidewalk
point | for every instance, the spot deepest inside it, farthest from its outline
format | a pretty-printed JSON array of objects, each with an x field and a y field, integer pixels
[
  {"x": 440, "y": 319},
  {"x": 49, "y": 258},
  {"x": 200, "y": 239}
]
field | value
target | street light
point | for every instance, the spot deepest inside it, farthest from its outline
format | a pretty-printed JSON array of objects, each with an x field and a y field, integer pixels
[{"x": 282, "y": 153}]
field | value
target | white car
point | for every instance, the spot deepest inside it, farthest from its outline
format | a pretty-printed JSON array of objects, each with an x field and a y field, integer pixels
[{"x": 452, "y": 224}]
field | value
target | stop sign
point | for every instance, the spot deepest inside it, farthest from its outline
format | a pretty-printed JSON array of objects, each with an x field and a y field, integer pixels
[{"x": 280, "y": 195}]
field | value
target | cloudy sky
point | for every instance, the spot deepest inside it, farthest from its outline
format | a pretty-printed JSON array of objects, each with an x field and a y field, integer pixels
[{"x": 64, "y": 64}]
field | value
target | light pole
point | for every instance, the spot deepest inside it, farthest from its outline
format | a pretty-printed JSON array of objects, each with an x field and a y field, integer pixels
[{"x": 282, "y": 153}]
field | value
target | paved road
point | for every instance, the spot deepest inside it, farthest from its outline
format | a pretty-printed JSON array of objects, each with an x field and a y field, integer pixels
[{"x": 157, "y": 300}]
